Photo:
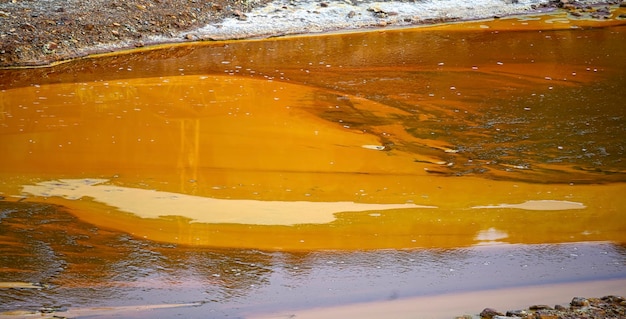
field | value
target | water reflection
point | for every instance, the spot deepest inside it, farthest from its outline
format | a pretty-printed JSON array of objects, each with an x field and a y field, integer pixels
[{"x": 81, "y": 265}]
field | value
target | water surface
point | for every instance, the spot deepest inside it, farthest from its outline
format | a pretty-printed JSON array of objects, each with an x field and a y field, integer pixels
[{"x": 253, "y": 176}]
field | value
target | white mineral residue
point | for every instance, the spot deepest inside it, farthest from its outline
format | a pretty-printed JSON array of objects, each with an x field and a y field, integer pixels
[
  {"x": 154, "y": 204},
  {"x": 284, "y": 17},
  {"x": 540, "y": 205}
]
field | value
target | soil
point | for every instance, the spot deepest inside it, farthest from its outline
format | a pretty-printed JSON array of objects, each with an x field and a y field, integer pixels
[{"x": 36, "y": 32}]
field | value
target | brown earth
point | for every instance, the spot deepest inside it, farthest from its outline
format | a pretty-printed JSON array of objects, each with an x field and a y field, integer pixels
[{"x": 39, "y": 32}]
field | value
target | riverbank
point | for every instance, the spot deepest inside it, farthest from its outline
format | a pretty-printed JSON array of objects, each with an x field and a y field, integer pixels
[
  {"x": 35, "y": 33},
  {"x": 531, "y": 302}
]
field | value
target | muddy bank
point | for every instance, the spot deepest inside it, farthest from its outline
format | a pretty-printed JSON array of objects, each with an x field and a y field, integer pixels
[{"x": 42, "y": 32}]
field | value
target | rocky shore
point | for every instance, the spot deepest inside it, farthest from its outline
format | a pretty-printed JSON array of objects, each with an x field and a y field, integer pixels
[
  {"x": 34, "y": 33},
  {"x": 608, "y": 307}
]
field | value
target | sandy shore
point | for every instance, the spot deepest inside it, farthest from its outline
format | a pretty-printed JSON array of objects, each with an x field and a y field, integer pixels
[
  {"x": 465, "y": 304},
  {"x": 43, "y": 32}
]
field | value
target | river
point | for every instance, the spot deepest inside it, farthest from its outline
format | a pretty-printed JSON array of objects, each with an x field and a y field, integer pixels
[{"x": 238, "y": 178}]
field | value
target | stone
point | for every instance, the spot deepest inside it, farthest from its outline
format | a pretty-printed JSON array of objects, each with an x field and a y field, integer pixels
[
  {"x": 516, "y": 313},
  {"x": 489, "y": 313},
  {"x": 613, "y": 299},
  {"x": 579, "y": 302},
  {"x": 540, "y": 307}
]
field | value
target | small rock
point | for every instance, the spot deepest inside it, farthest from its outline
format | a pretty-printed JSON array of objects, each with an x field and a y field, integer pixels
[
  {"x": 516, "y": 313},
  {"x": 28, "y": 26},
  {"x": 380, "y": 15},
  {"x": 613, "y": 299},
  {"x": 375, "y": 9},
  {"x": 351, "y": 14},
  {"x": 49, "y": 47},
  {"x": 240, "y": 15},
  {"x": 489, "y": 313},
  {"x": 540, "y": 307},
  {"x": 559, "y": 308},
  {"x": 323, "y": 4},
  {"x": 579, "y": 302}
]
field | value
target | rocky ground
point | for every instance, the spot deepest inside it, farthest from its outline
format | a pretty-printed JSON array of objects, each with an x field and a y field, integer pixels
[
  {"x": 608, "y": 307},
  {"x": 38, "y": 32}
]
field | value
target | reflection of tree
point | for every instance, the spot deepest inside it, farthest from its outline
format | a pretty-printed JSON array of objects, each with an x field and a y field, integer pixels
[{"x": 189, "y": 156}]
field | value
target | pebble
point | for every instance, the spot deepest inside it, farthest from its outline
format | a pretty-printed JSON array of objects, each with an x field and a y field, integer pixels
[
  {"x": 579, "y": 302},
  {"x": 516, "y": 313},
  {"x": 540, "y": 307},
  {"x": 489, "y": 313}
]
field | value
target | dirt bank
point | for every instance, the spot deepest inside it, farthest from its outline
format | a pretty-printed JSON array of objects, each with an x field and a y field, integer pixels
[{"x": 42, "y": 32}]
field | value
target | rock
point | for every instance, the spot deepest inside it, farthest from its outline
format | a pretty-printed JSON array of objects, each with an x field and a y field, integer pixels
[
  {"x": 489, "y": 313},
  {"x": 613, "y": 299},
  {"x": 378, "y": 12},
  {"x": 28, "y": 26},
  {"x": 49, "y": 47},
  {"x": 560, "y": 308},
  {"x": 579, "y": 302},
  {"x": 240, "y": 15},
  {"x": 540, "y": 307},
  {"x": 516, "y": 313}
]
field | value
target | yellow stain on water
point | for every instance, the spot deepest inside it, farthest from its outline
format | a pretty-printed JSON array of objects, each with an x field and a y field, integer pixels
[{"x": 307, "y": 162}]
